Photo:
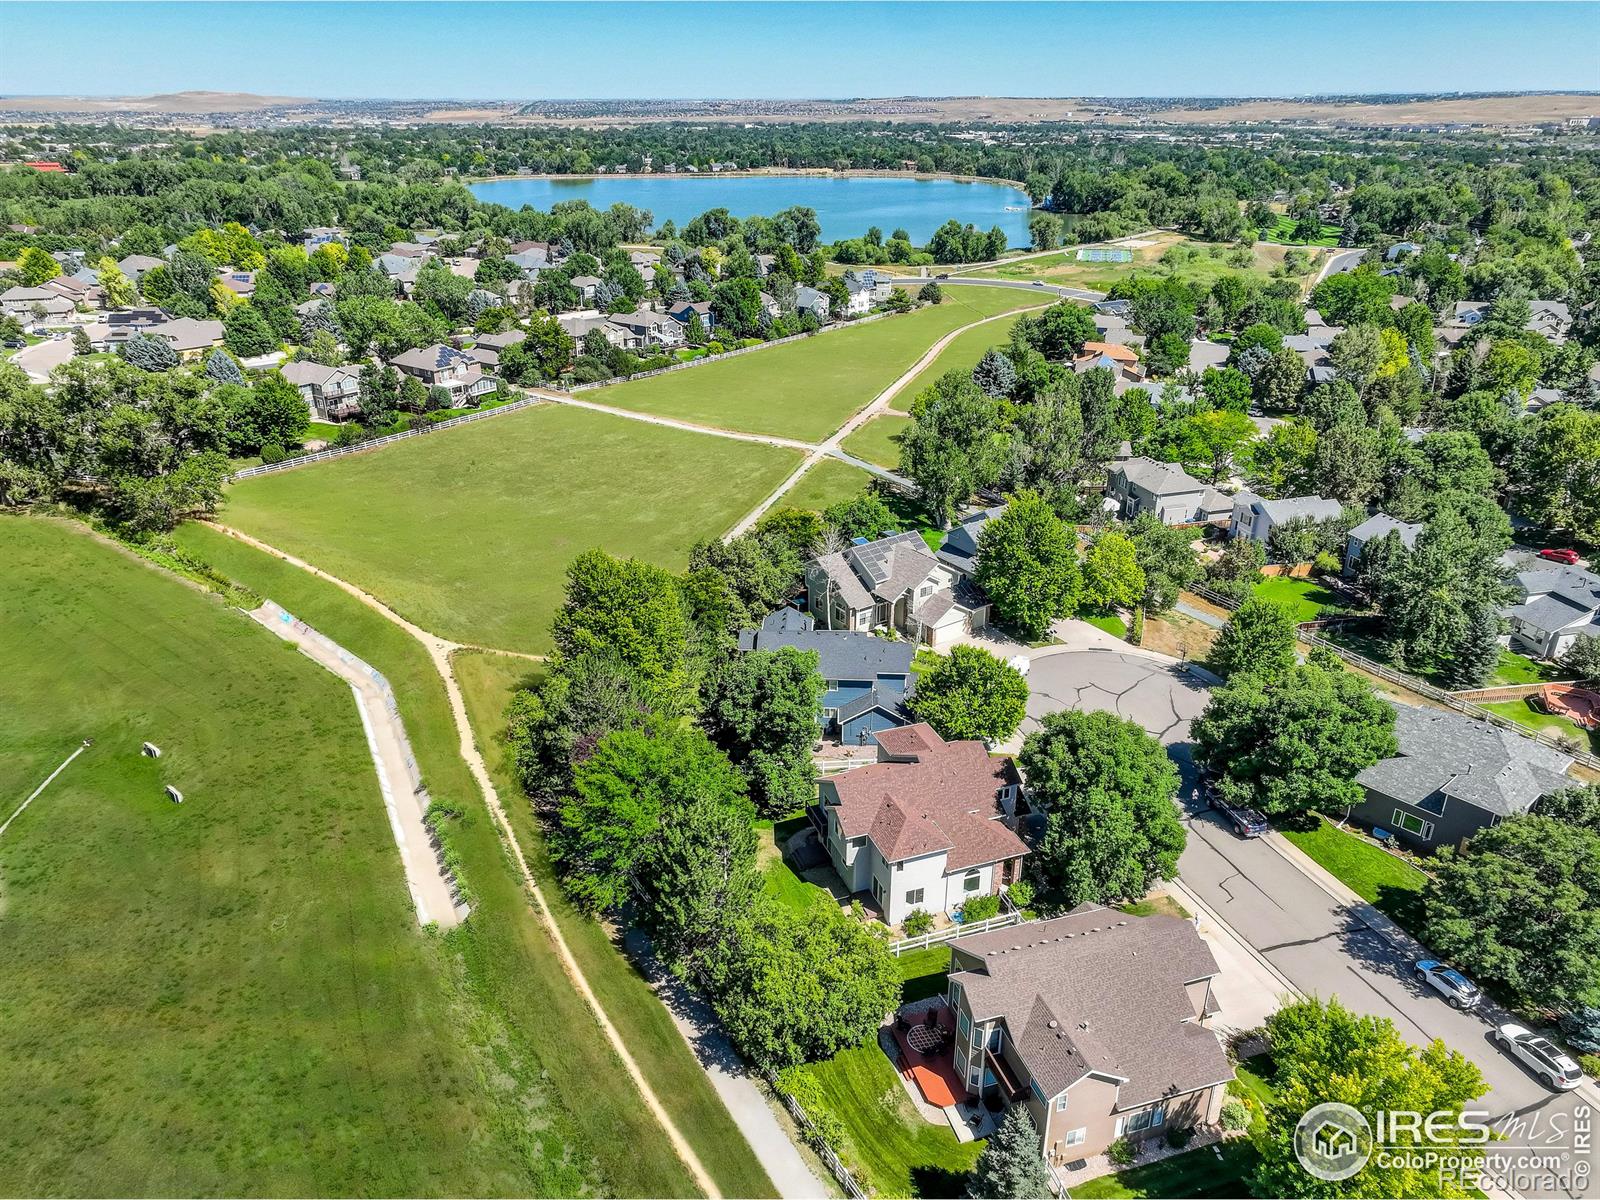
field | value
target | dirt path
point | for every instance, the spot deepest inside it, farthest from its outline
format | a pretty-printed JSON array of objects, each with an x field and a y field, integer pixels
[
  {"x": 439, "y": 651},
  {"x": 832, "y": 446},
  {"x": 432, "y": 892}
]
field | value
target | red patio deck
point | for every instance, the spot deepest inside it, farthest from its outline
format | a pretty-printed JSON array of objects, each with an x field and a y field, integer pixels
[
  {"x": 931, "y": 1068},
  {"x": 1579, "y": 705}
]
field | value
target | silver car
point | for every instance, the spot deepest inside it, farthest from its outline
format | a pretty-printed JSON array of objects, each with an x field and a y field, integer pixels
[{"x": 1541, "y": 1056}]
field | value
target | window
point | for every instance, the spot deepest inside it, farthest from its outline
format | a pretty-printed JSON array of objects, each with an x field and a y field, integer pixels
[
  {"x": 1413, "y": 825},
  {"x": 1074, "y": 1137},
  {"x": 1061, "y": 1104},
  {"x": 995, "y": 1036},
  {"x": 914, "y": 896},
  {"x": 1150, "y": 1118},
  {"x": 966, "y": 1025},
  {"x": 970, "y": 883},
  {"x": 975, "y": 1080}
]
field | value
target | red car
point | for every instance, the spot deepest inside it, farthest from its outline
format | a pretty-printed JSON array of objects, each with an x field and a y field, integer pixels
[{"x": 1570, "y": 557}]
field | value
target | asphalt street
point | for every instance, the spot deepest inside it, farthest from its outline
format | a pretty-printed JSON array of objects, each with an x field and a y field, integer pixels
[{"x": 1320, "y": 944}]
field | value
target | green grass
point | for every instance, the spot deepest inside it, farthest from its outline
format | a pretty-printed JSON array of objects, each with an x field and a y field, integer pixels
[
  {"x": 232, "y": 996},
  {"x": 923, "y": 973},
  {"x": 1198, "y": 1173},
  {"x": 1283, "y": 234},
  {"x": 322, "y": 431},
  {"x": 1515, "y": 668},
  {"x": 878, "y": 441},
  {"x": 1383, "y": 880},
  {"x": 507, "y": 959},
  {"x": 487, "y": 684},
  {"x": 828, "y": 483},
  {"x": 887, "y": 1144},
  {"x": 962, "y": 354},
  {"x": 468, "y": 532},
  {"x": 1109, "y": 623},
  {"x": 1304, "y": 598},
  {"x": 1155, "y": 906},
  {"x": 807, "y": 389},
  {"x": 1526, "y": 715}
]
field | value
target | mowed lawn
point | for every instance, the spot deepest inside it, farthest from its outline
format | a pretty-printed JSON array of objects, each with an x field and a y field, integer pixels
[
  {"x": 962, "y": 354},
  {"x": 807, "y": 389},
  {"x": 828, "y": 483},
  {"x": 231, "y": 996},
  {"x": 878, "y": 441},
  {"x": 468, "y": 532}
]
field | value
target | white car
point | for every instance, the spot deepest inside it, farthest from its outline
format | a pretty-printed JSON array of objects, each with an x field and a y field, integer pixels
[
  {"x": 1449, "y": 983},
  {"x": 1541, "y": 1056}
]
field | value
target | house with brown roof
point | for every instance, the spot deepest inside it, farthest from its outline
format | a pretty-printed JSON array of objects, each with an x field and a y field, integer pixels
[
  {"x": 927, "y": 827},
  {"x": 446, "y": 367},
  {"x": 1095, "y": 1021}
]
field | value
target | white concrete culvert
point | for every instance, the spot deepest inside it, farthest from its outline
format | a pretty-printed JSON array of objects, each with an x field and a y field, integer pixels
[{"x": 433, "y": 892}]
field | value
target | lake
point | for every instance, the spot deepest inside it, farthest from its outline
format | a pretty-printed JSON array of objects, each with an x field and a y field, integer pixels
[{"x": 847, "y": 206}]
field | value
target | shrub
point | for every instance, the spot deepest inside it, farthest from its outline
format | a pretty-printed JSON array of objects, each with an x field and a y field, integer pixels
[
  {"x": 1590, "y": 1064},
  {"x": 918, "y": 922},
  {"x": 1121, "y": 1152},
  {"x": 1235, "y": 1116},
  {"x": 1136, "y": 630},
  {"x": 271, "y": 452},
  {"x": 981, "y": 908},
  {"x": 1020, "y": 893},
  {"x": 1180, "y": 1136},
  {"x": 826, "y": 1129},
  {"x": 1326, "y": 564}
]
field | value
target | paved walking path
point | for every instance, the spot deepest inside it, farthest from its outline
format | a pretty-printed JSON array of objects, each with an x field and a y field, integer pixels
[
  {"x": 432, "y": 892},
  {"x": 439, "y": 651}
]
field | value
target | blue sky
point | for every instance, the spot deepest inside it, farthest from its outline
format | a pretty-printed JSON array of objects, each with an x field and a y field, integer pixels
[{"x": 532, "y": 51}]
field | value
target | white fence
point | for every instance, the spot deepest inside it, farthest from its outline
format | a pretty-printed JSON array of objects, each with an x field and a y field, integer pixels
[
  {"x": 953, "y": 932},
  {"x": 842, "y": 1173}
]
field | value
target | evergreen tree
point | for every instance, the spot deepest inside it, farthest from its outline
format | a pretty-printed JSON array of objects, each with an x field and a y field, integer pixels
[
  {"x": 1476, "y": 655},
  {"x": 220, "y": 366},
  {"x": 1011, "y": 1166}
]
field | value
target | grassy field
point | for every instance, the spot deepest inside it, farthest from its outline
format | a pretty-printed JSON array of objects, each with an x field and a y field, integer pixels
[
  {"x": 487, "y": 683},
  {"x": 924, "y": 972},
  {"x": 1108, "y": 623},
  {"x": 1283, "y": 234},
  {"x": 506, "y": 957},
  {"x": 232, "y": 996},
  {"x": 1197, "y": 262},
  {"x": 888, "y": 1145},
  {"x": 1383, "y": 880},
  {"x": 807, "y": 389},
  {"x": 824, "y": 485},
  {"x": 468, "y": 532},
  {"x": 1515, "y": 668},
  {"x": 962, "y": 354},
  {"x": 878, "y": 441},
  {"x": 1304, "y": 598}
]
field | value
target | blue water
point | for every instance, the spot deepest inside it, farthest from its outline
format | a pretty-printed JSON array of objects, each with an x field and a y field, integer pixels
[{"x": 846, "y": 205}]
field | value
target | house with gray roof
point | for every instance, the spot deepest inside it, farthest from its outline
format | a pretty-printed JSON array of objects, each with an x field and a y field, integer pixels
[
  {"x": 330, "y": 393},
  {"x": 1256, "y": 518},
  {"x": 1453, "y": 776},
  {"x": 960, "y": 545},
  {"x": 1374, "y": 528},
  {"x": 1136, "y": 484},
  {"x": 445, "y": 366},
  {"x": 136, "y": 266},
  {"x": 867, "y": 678},
  {"x": 927, "y": 827},
  {"x": 894, "y": 583},
  {"x": 1557, "y": 606},
  {"x": 1096, "y": 1022}
]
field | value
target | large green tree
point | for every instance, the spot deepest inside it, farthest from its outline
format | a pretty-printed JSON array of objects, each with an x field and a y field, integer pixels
[
  {"x": 1028, "y": 564},
  {"x": 954, "y": 444},
  {"x": 1112, "y": 576},
  {"x": 1293, "y": 741},
  {"x": 1107, "y": 787},
  {"x": 1166, "y": 556},
  {"x": 970, "y": 693},
  {"x": 633, "y": 610},
  {"x": 1322, "y": 1053},
  {"x": 765, "y": 713},
  {"x": 1259, "y": 637}
]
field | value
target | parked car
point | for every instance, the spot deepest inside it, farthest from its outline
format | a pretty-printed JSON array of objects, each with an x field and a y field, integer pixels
[
  {"x": 1570, "y": 557},
  {"x": 945, "y": 275},
  {"x": 1540, "y": 1055},
  {"x": 1246, "y": 822},
  {"x": 1449, "y": 983},
  {"x": 1038, "y": 283}
]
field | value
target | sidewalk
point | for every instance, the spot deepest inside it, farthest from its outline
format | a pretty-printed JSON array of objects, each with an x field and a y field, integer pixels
[{"x": 1249, "y": 989}]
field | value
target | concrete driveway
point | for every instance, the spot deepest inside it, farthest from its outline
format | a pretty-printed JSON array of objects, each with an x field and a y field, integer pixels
[
  {"x": 38, "y": 361},
  {"x": 1161, "y": 697}
]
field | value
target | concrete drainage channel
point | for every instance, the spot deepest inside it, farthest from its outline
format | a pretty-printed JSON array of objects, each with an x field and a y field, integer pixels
[{"x": 434, "y": 892}]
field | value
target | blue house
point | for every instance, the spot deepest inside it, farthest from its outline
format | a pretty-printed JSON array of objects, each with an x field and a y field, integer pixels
[{"x": 868, "y": 678}]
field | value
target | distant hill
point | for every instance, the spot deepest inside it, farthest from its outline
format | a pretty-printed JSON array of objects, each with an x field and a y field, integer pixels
[{"x": 177, "y": 103}]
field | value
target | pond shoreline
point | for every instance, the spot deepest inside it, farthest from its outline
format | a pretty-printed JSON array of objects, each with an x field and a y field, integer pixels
[{"x": 760, "y": 173}]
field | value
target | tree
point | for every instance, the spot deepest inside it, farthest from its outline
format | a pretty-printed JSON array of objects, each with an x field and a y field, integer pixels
[
  {"x": 995, "y": 374},
  {"x": 80, "y": 342},
  {"x": 36, "y": 266},
  {"x": 865, "y": 516},
  {"x": 1112, "y": 577},
  {"x": 1295, "y": 740},
  {"x": 1582, "y": 659},
  {"x": 1058, "y": 333},
  {"x": 1519, "y": 906},
  {"x": 1107, "y": 787},
  {"x": 1280, "y": 464},
  {"x": 1348, "y": 463},
  {"x": 1578, "y": 806},
  {"x": 765, "y": 714},
  {"x": 1279, "y": 380},
  {"x": 635, "y": 781},
  {"x": 149, "y": 353},
  {"x": 1259, "y": 636},
  {"x": 272, "y": 412},
  {"x": 1011, "y": 1167},
  {"x": 702, "y": 877},
  {"x": 799, "y": 987},
  {"x": 930, "y": 293},
  {"x": 1323, "y": 1052},
  {"x": 633, "y": 611},
  {"x": 1028, "y": 564},
  {"x": 971, "y": 694},
  {"x": 1166, "y": 355},
  {"x": 1559, "y": 480},
  {"x": 736, "y": 306},
  {"x": 119, "y": 290},
  {"x": 954, "y": 444},
  {"x": 1166, "y": 556}
]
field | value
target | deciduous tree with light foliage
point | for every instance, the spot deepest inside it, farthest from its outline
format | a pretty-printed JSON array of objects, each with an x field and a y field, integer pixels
[
  {"x": 970, "y": 693},
  {"x": 1028, "y": 564}
]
